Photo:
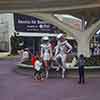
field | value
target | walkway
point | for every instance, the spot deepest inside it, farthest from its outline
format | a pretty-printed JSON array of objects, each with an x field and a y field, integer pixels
[{"x": 14, "y": 86}]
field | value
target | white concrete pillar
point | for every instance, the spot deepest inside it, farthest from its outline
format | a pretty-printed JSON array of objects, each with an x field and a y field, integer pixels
[
  {"x": 83, "y": 46},
  {"x": 10, "y": 20},
  {"x": 83, "y": 39},
  {"x": 83, "y": 24}
]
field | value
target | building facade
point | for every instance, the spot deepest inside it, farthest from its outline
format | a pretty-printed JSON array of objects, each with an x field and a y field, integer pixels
[{"x": 29, "y": 28}]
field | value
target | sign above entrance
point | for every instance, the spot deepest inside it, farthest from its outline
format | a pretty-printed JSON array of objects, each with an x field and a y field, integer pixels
[{"x": 24, "y": 23}]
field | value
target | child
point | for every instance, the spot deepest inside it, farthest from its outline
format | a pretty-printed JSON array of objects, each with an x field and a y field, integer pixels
[
  {"x": 81, "y": 64},
  {"x": 37, "y": 68}
]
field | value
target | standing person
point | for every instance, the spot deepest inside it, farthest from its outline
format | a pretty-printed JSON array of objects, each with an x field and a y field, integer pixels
[
  {"x": 25, "y": 55},
  {"x": 81, "y": 64},
  {"x": 33, "y": 60},
  {"x": 97, "y": 50},
  {"x": 46, "y": 53},
  {"x": 62, "y": 49}
]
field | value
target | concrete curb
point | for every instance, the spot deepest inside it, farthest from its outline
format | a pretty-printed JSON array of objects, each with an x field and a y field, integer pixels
[
  {"x": 30, "y": 66},
  {"x": 2, "y": 55}
]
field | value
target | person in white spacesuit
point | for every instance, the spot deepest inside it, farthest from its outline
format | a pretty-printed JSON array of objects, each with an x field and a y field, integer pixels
[
  {"x": 46, "y": 53},
  {"x": 62, "y": 49}
]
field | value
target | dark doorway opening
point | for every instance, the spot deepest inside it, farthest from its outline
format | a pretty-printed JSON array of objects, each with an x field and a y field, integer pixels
[{"x": 33, "y": 43}]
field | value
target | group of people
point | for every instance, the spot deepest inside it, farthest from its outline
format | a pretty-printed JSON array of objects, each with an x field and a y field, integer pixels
[
  {"x": 58, "y": 54},
  {"x": 95, "y": 50}
]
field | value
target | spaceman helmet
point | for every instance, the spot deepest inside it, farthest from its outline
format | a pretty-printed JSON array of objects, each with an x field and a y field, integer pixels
[
  {"x": 45, "y": 38},
  {"x": 59, "y": 36}
]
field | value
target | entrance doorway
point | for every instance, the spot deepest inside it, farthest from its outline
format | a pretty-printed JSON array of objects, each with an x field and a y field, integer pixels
[{"x": 33, "y": 43}]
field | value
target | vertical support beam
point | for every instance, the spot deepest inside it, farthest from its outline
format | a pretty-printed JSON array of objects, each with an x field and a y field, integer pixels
[
  {"x": 9, "y": 43},
  {"x": 83, "y": 24},
  {"x": 83, "y": 46}
]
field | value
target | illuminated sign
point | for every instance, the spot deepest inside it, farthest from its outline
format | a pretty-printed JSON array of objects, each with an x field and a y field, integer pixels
[{"x": 24, "y": 23}]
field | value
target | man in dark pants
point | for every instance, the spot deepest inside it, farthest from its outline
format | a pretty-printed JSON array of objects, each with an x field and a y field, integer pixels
[{"x": 81, "y": 64}]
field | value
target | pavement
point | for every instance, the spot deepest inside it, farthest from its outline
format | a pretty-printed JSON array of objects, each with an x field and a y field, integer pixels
[
  {"x": 15, "y": 86},
  {"x": 72, "y": 72}
]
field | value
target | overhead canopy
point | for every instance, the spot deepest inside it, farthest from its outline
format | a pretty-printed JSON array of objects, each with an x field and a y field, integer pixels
[
  {"x": 79, "y": 8},
  {"x": 10, "y": 5}
]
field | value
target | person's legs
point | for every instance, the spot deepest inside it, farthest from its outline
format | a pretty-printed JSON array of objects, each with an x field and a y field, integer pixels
[
  {"x": 46, "y": 68},
  {"x": 83, "y": 78},
  {"x": 80, "y": 76},
  {"x": 59, "y": 62},
  {"x": 63, "y": 73},
  {"x": 35, "y": 74},
  {"x": 41, "y": 74},
  {"x": 63, "y": 60}
]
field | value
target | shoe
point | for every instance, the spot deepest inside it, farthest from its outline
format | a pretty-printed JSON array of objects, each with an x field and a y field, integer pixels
[{"x": 42, "y": 79}]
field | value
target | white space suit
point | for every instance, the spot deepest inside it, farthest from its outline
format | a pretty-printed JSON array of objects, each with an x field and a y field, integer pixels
[
  {"x": 46, "y": 51},
  {"x": 62, "y": 49}
]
